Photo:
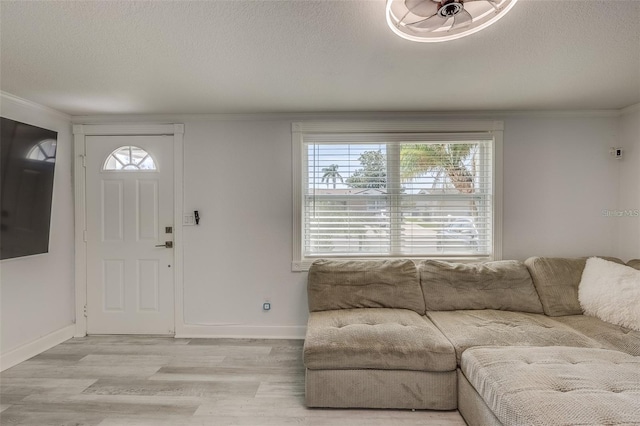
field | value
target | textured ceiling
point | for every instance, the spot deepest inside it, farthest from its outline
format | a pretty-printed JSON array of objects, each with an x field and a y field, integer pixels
[{"x": 105, "y": 57}]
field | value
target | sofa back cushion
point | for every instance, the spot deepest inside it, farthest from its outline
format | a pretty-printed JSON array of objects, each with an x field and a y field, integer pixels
[
  {"x": 347, "y": 284},
  {"x": 634, "y": 263},
  {"x": 502, "y": 285},
  {"x": 556, "y": 280}
]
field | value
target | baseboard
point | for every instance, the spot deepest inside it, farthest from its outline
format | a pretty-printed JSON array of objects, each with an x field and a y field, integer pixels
[
  {"x": 35, "y": 347},
  {"x": 240, "y": 331}
]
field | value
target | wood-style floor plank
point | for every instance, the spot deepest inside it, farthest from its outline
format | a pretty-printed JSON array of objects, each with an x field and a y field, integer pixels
[{"x": 161, "y": 381}]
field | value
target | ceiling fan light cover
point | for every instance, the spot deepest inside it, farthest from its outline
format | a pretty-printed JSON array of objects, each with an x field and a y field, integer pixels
[{"x": 436, "y": 21}]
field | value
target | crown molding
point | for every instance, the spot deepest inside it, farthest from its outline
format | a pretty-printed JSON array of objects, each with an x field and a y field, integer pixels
[
  {"x": 16, "y": 100},
  {"x": 127, "y": 129},
  {"x": 630, "y": 109},
  {"x": 299, "y": 116}
]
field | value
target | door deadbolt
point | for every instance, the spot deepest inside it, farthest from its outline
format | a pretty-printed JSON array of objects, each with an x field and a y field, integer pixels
[{"x": 167, "y": 244}]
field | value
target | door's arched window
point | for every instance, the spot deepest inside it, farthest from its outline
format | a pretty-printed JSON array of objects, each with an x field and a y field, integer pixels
[
  {"x": 130, "y": 158},
  {"x": 44, "y": 151}
]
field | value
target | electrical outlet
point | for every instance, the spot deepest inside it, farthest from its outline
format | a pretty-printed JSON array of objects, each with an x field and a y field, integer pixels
[
  {"x": 188, "y": 219},
  {"x": 266, "y": 306},
  {"x": 616, "y": 153}
]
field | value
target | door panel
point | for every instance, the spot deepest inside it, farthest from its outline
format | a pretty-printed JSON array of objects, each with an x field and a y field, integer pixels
[{"x": 129, "y": 278}]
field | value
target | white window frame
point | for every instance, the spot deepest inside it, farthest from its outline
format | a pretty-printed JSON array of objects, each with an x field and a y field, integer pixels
[{"x": 493, "y": 129}]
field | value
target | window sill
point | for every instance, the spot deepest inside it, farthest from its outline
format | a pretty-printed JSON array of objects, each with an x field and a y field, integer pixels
[{"x": 304, "y": 265}]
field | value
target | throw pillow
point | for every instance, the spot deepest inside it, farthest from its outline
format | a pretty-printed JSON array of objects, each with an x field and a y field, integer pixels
[{"x": 611, "y": 292}]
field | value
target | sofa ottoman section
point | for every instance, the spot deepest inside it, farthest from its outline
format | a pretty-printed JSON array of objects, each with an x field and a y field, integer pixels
[
  {"x": 378, "y": 358},
  {"x": 549, "y": 386}
]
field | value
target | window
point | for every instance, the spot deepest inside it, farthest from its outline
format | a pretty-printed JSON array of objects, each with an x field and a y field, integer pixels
[
  {"x": 382, "y": 190},
  {"x": 130, "y": 158},
  {"x": 44, "y": 151}
]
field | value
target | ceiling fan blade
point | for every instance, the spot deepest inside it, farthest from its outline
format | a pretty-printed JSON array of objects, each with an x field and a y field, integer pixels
[
  {"x": 423, "y": 8},
  {"x": 494, "y": 3},
  {"x": 429, "y": 24},
  {"x": 461, "y": 20}
]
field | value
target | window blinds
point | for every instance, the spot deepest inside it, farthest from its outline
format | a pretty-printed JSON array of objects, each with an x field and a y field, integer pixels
[{"x": 373, "y": 195}]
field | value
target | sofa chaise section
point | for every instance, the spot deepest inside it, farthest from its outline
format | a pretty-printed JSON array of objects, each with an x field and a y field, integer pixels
[
  {"x": 564, "y": 383},
  {"x": 549, "y": 386}
]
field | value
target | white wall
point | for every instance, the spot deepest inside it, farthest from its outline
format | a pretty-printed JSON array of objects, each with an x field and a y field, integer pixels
[
  {"x": 37, "y": 292},
  {"x": 629, "y": 226},
  {"x": 558, "y": 177},
  {"x": 238, "y": 176}
]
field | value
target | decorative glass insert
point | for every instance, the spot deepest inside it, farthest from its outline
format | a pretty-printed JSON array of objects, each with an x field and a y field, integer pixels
[
  {"x": 43, "y": 151},
  {"x": 130, "y": 158}
]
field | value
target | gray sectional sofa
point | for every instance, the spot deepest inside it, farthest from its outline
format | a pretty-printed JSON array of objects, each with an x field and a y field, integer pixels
[{"x": 504, "y": 342}]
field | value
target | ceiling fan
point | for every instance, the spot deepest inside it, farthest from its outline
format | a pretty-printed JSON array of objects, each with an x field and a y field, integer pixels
[{"x": 442, "y": 20}]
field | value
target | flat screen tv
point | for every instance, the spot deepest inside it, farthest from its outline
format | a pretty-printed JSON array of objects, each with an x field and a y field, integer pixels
[{"x": 27, "y": 164}]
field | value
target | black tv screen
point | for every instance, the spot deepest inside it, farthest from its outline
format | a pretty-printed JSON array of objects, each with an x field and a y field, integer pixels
[{"x": 27, "y": 164}]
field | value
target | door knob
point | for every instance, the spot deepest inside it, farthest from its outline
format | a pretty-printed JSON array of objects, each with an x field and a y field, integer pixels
[{"x": 167, "y": 244}]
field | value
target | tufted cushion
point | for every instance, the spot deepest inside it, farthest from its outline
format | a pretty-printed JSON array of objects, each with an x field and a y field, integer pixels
[
  {"x": 634, "y": 263},
  {"x": 503, "y": 285},
  {"x": 387, "y": 339},
  {"x": 556, "y": 385},
  {"x": 610, "y": 335},
  {"x": 346, "y": 284},
  {"x": 556, "y": 280},
  {"x": 466, "y": 329}
]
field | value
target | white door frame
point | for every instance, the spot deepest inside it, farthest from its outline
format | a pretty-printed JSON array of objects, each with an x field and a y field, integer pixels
[{"x": 80, "y": 131}]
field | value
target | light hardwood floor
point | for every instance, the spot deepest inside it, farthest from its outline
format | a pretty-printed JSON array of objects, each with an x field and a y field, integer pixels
[{"x": 161, "y": 381}]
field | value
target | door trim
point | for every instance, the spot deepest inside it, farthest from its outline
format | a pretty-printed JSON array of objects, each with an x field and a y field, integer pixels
[{"x": 80, "y": 131}]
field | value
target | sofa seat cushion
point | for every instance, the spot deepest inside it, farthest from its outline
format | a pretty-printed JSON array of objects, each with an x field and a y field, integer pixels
[
  {"x": 466, "y": 329},
  {"x": 556, "y": 385},
  {"x": 388, "y": 339},
  {"x": 611, "y": 336}
]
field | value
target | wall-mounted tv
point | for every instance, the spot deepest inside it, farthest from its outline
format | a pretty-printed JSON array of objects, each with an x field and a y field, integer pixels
[{"x": 27, "y": 164}]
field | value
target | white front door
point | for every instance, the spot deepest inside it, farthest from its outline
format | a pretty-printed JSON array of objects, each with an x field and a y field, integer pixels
[{"x": 129, "y": 196}]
